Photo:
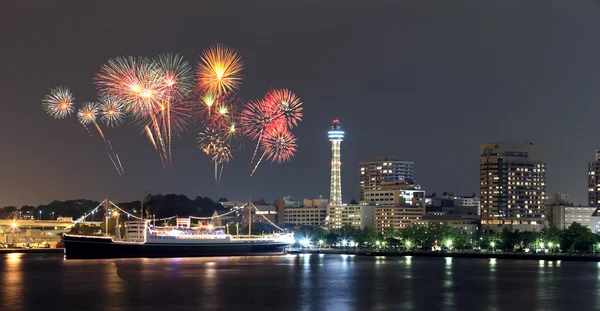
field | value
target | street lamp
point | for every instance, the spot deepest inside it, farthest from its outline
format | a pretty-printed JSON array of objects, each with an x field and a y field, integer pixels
[
  {"x": 320, "y": 243},
  {"x": 40, "y": 216},
  {"x": 407, "y": 245},
  {"x": 305, "y": 242},
  {"x": 493, "y": 244},
  {"x": 52, "y": 215},
  {"x": 449, "y": 244},
  {"x": 93, "y": 215}
]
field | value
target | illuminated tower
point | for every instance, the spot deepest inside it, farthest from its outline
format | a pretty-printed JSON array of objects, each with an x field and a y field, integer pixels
[{"x": 336, "y": 135}]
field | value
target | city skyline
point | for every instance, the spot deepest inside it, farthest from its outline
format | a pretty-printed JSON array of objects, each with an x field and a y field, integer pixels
[{"x": 453, "y": 81}]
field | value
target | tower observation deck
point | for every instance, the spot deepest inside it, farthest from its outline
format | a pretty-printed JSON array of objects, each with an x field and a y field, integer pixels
[{"x": 336, "y": 136}]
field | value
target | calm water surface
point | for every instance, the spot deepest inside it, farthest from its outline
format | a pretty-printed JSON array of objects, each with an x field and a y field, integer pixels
[{"x": 296, "y": 282}]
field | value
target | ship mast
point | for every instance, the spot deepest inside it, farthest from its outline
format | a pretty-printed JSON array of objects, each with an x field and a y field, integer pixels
[
  {"x": 249, "y": 218},
  {"x": 106, "y": 216}
]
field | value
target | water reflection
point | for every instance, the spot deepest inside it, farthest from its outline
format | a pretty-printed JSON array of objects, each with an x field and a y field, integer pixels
[
  {"x": 209, "y": 286},
  {"x": 493, "y": 290},
  {"x": 13, "y": 295},
  {"x": 449, "y": 302},
  {"x": 114, "y": 287},
  {"x": 329, "y": 282}
]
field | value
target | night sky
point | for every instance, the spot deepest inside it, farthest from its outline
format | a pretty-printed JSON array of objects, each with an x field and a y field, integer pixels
[{"x": 426, "y": 81}]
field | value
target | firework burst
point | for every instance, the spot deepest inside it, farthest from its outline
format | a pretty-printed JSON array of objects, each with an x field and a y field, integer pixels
[
  {"x": 176, "y": 75},
  {"x": 59, "y": 103},
  {"x": 279, "y": 146},
  {"x": 111, "y": 110},
  {"x": 87, "y": 113},
  {"x": 288, "y": 105},
  {"x": 219, "y": 70},
  {"x": 165, "y": 95},
  {"x": 136, "y": 81}
]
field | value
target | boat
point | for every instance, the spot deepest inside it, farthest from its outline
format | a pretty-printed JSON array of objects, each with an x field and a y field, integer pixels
[{"x": 143, "y": 240}]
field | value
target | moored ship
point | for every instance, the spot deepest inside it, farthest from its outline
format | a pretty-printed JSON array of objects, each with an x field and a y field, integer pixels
[{"x": 145, "y": 240}]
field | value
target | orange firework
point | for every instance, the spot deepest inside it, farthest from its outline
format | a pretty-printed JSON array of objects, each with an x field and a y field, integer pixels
[{"x": 219, "y": 70}]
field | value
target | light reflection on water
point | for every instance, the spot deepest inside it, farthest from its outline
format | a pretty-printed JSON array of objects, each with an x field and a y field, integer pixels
[
  {"x": 449, "y": 303},
  {"x": 493, "y": 290},
  {"x": 305, "y": 282},
  {"x": 12, "y": 282}
]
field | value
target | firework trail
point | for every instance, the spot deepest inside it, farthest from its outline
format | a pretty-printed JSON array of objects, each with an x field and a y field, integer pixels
[
  {"x": 122, "y": 171},
  {"x": 218, "y": 76},
  {"x": 257, "y": 117},
  {"x": 269, "y": 121},
  {"x": 150, "y": 136},
  {"x": 278, "y": 145},
  {"x": 154, "y": 92},
  {"x": 212, "y": 142},
  {"x": 87, "y": 115},
  {"x": 177, "y": 83},
  {"x": 59, "y": 103}
]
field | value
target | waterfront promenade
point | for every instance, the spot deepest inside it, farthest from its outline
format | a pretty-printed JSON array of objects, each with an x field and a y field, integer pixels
[{"x": 496, "y": 255}]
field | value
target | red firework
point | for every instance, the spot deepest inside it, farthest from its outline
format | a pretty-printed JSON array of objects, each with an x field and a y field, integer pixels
[
  {"x": 279, "y": 145},
  {"x": 288, "y": 106}
]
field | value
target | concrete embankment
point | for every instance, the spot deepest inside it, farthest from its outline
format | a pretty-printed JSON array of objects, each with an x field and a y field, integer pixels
[
  {"x": 32, "y": 250},
  {"x": 550, "y": 257}
]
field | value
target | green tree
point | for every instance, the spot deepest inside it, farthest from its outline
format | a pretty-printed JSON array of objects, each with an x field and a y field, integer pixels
[{"x": 578, "y": 238}]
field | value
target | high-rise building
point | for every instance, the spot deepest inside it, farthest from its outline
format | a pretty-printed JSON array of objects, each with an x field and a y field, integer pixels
[
  {"x": 372, "y": 174},
  {"x": 594, "y": 181},
  {"x": 513, "y": 186},
  {"x": 336, "y": 136}
]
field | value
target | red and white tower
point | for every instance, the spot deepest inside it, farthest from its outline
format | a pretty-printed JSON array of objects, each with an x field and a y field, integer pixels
[{"x": 336, "y": 136}]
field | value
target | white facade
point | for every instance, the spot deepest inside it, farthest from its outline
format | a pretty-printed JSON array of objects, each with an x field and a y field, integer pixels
[
  {"x": 564, "y": 216},
  {"x": 290, "y": 201},
  {"x": 466, "y": 201}
]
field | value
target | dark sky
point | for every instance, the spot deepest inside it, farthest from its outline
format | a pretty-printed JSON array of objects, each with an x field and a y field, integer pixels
[{"x": 427, "y": 81}]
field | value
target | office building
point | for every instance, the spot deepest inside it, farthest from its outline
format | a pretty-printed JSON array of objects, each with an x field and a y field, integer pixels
[
  {"x": 397, "y": 217},
  {"x": 306, "y": 216},
  {"x": 395, "y": 193},
  {"x": 336, "y": 136},
  {"x": 564, "y": 216},
  {"x": 339, "y": 216},
  {"x": 595, "y": 221},
  {"x": 372, "y": 174},
  {"x": 594, "y": 181},
  {"x": 465, "y": 223},
  {"x": 513, "y": 186}
]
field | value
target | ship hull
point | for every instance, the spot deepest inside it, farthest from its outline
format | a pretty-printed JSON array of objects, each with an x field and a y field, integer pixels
[{"x": 77, "y": 247}]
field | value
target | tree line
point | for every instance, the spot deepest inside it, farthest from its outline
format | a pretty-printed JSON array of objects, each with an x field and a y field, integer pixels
[
  {"x": 158, "y": 204},
  {"x": 436, "y": 236}
]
